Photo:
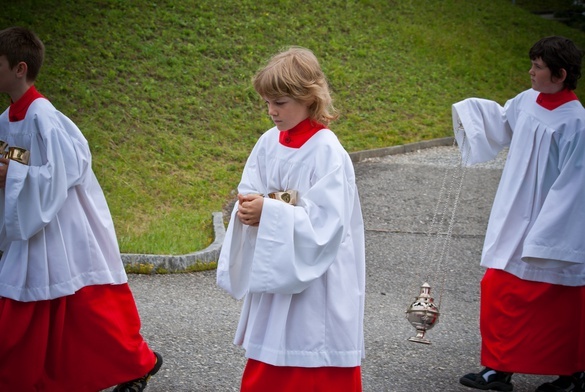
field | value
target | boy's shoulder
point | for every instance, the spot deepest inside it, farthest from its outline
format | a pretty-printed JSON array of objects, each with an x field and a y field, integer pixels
[
  {"x": 527, "y": 95},
  {"x": 41, "y": 104}
]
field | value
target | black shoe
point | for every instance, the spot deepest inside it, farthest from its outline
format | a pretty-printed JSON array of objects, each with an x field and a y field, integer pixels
[
  {"x": 574, "y": 383},
  {"x": 488, "y": 379},
  {"x": 139, "y": 384}
]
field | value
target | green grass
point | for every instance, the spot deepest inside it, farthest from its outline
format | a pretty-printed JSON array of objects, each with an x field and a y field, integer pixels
[{"x": 162, "y": 91}]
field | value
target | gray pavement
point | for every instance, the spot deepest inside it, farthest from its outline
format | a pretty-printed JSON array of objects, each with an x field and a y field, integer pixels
[{"x": 191, "y": 322}]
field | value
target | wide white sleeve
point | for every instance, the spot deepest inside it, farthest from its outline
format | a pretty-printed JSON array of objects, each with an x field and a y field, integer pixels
[
  {"x": 293, "y": 245},
  {"x": 557, "y": 238},
  {"x": 237, "y": 252},
  {"x": 486, "y": 129},
  {"x": 236, "y": 256},
  {"x": 296, "y": 245},
  {"x": 34, "y": 194}
]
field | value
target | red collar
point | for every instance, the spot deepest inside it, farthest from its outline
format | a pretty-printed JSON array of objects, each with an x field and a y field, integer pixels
[
  {"x": 553, "y": 101},
  {"x": 18, "y": 109},
  {"x": 300, "y": 133}
]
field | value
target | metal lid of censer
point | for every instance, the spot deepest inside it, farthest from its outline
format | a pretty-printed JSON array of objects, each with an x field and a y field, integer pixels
[{"x": 423, "y": 314}]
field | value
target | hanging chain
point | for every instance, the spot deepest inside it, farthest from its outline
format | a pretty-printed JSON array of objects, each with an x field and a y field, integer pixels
[
  {"x": 430, "y": 250},
  {"x": 435, "y": 233},
  {"x": 460, "y": 171}
]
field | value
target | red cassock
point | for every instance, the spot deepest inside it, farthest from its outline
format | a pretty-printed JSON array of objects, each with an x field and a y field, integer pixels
[
  {"x": 83, "y": 342},
  {"x": 531, "y": 327}
]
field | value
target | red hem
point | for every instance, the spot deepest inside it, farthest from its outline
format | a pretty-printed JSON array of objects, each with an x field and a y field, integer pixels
[
  {"x": 84, "y": 342},
  {"x": 262, "y": 377}
]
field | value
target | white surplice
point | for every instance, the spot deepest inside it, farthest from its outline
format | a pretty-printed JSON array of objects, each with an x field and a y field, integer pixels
[
  {"x": 302, "y": 270},
  {"x": 56, "y": 231},
  {"x": 536, "y": 229}
]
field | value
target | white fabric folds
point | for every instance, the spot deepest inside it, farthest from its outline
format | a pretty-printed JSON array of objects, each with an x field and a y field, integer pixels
[
  {"x": 536, "y": 228},
  {"x": 56, "y": 231},
  {"x": 302, "y": 270}
]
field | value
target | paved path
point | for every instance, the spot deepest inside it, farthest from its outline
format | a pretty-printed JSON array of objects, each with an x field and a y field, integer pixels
[{"x": 192, "y": 322}]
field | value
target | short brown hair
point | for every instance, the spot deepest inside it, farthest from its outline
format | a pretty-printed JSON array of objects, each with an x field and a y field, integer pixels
[
  {"x": 20, "y": 44},
  {"x": 559, "y": 53}
]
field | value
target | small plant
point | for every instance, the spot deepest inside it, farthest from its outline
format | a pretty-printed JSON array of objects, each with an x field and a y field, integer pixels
[
  {"x": 201, "y": 266},
  {"x": 139, "y": 268}
]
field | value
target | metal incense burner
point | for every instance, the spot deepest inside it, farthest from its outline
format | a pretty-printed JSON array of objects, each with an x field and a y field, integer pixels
[{"x": 423, "y": 314}]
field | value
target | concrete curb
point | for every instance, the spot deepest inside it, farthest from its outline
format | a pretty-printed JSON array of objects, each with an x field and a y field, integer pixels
[
  {"x": 404, "y": 148},
  {"x": 180, "y": 263}
]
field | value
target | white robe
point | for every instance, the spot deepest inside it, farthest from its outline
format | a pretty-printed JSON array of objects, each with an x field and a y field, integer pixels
[
  {"x": 302, "y": 270},
  {"x": 56, "y": 231},
  {"x": 536, "y": 229}
]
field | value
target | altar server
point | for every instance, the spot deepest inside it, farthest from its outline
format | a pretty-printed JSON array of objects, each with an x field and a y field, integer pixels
[
  {"x": 68, "y": 321},
  {"x": 299, "y": 264},
  {"x": 532, "y": 312}
]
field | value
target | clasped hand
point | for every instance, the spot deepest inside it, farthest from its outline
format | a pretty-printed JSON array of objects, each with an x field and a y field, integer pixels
[{"x": 250, "y": 209}]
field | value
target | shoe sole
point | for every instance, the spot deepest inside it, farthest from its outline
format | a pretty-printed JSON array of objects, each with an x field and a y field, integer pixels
[{"x": 493, "y": 386}]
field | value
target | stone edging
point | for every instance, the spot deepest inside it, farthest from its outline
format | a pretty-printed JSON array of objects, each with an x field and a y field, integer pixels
[
  {"x": 173, "y": 263},
  {"x": 210, "y": 254},
  {"x": 404, "y": 148}
]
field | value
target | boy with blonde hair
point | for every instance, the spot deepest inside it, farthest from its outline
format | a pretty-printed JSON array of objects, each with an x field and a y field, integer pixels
[{"x": 294, "y": 247}]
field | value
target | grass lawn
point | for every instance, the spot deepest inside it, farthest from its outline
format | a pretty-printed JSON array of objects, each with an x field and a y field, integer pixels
[{"x": 162, "y": 90}]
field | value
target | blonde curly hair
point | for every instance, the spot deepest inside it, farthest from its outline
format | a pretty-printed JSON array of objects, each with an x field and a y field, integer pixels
[{"x": 296, "y": 73}]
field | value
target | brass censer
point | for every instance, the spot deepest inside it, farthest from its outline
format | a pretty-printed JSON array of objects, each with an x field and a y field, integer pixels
[{"x": 423, "y": 314}]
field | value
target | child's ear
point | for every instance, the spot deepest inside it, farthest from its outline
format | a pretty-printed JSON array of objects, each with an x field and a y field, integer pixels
[
  {"x": 560, "y": 79},
  {"x": 21, "y": 69}
]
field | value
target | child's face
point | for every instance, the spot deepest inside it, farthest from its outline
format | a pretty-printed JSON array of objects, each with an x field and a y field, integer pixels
[
  {"x": 542, "y": 79},
  {"x": 286, "y": 112},
  {"x": 7, "y": 76}
]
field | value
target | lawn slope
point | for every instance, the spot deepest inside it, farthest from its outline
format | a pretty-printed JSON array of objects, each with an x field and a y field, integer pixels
[{"x": 161, "y": 89}]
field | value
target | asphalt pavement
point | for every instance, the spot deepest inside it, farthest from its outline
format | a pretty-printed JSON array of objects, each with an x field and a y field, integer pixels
[{"x": 407, "y": 198}]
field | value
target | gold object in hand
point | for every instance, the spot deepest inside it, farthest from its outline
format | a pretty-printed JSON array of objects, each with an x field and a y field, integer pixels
[
  {"x": 18, "y": 154},
  {"x": 289, "y": 197}
]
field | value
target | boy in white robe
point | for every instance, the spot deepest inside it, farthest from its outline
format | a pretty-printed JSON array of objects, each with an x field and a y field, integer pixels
[
  {"x": 68, "y": 321},
  {"x": 532, "y": 313},
  {"x": 300, "y": 264}
]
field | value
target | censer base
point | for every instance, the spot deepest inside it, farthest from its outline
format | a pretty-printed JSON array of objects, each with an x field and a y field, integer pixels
[{"x": 417, "y": 339}]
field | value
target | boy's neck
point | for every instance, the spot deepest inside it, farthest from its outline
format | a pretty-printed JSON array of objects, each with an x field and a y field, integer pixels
[
  {"x": 17, "y": 110},
  {"x": 19, "y": 90}
]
